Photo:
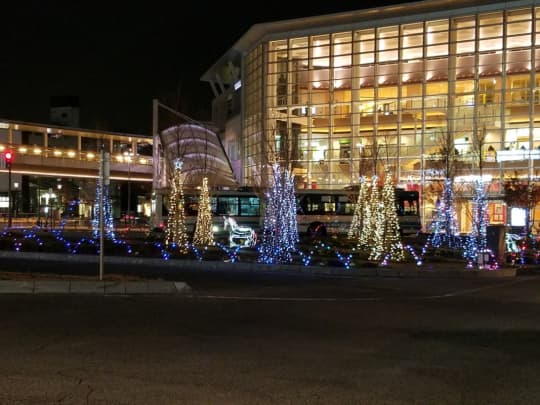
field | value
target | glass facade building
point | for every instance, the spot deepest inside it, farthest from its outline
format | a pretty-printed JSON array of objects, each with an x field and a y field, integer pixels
[{"x": 422, "y": 88}]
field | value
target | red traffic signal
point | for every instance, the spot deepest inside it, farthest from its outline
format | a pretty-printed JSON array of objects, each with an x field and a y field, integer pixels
[{"x": 8, "y": 157}]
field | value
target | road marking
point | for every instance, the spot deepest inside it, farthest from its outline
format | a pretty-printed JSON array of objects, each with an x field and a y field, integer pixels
[
  {"x": 305, "y": 299},
  {"x": 483, "y": 288}
]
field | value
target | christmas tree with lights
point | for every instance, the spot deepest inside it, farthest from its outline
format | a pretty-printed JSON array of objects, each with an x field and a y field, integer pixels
[
  {"x": 387, "y": 243},
  {"x": 203, "y": 228},
  {"x": 176, "y": 232},
  {"x": 477, "y": 239},
  {"x": 102, "y": 190},
  {"x": 368, "y": 234},
  {"x": 444, "y": 229},
  {"x": 357, "y": 223},
  {"x": 280, "y": 228}
]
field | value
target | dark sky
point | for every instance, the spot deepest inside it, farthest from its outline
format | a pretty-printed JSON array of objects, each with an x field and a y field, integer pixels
[{"x": 117, "y": 56}]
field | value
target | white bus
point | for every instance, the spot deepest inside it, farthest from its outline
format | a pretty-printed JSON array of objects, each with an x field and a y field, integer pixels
[
  {"x": 322, "y": 212},
  {"x": 319, "y": 211},
  {"x": 243, "y": 206}
]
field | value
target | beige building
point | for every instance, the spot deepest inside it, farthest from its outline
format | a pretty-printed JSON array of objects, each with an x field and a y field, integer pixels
[
  {"x": 343, "y": 95},
  {"x": 55, "y": 171}
]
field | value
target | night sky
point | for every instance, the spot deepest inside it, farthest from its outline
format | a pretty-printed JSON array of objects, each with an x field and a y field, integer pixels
[{"x": 118, "y": 56}]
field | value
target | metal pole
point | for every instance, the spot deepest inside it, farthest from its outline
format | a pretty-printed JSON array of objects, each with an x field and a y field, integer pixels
[{"x": 9, "y": 195}]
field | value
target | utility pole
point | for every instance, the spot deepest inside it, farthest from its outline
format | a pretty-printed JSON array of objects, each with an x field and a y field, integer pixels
[{"x": 8, "y": 159}]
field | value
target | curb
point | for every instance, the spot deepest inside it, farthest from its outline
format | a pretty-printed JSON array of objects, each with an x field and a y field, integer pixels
[{"x": 88, "y": 287}]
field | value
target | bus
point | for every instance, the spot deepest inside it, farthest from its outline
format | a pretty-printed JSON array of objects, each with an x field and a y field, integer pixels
[
  {"x": 243, "y": 206},
  {"x": 331, "y": 211},
  {"x": 319, "y": 210}
]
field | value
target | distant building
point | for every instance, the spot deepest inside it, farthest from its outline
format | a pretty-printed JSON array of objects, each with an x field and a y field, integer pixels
[{"x": 55, "y": 170}]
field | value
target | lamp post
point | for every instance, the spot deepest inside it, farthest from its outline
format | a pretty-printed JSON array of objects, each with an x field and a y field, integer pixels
[
  {"x": 127, "y": 158},
  {"x": 16, "y": 199},
  {"x": 59, "y": 202},
  {"x": 9, "y": 196},
  {"x": 8, "y": 158}
]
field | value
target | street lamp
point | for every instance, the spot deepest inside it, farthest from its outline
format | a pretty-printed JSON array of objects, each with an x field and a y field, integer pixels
[
  {"x": 16, "y": 198},
  {"x": 59, "y": 201},
  {"x": 8, "y": 158},
  {"x": 127, "y": 158}
]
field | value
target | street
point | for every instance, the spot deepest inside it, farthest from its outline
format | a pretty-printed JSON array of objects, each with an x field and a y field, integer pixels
[{"x": 364, "y": 341}]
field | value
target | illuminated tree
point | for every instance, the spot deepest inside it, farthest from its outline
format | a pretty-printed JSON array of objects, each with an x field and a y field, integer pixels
[
  {"x": 357, "y": 223},
  {"x": 444, "y": 227},
  {"x": 387, "y": 234},
  {"x": 368, "y": 236},
  {"x": 108, "y": 221},
  {"x": 203, "y": 228},
  {"x": 477, "y": 239},
  {"x": 280, "y": 228},
  {"x": 176, "y": 233}
]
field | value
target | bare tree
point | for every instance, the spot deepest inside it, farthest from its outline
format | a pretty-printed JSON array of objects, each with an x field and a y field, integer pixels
[{"x": 478, "y": 143}]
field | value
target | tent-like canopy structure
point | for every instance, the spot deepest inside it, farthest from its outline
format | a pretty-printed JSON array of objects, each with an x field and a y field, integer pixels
[{"x": 201, "y": 153}]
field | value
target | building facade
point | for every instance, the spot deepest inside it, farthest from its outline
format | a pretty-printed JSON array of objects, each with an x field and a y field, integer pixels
[
  {"x": 55, "y": 171},
  {"x": 429, "y": 89}
]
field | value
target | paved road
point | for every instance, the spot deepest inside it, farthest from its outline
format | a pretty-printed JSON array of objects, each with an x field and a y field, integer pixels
[{"x": 369, "y": 341}]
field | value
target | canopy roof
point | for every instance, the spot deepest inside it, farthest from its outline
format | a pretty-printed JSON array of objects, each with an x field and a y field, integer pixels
[{"x": 201, "y": 154}]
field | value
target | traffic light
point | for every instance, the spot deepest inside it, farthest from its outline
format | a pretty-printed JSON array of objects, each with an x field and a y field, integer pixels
[{"x": 8, "y": 158}]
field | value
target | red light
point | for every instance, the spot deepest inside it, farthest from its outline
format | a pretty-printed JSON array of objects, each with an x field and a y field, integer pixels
[{"x": 8, "y": 156}]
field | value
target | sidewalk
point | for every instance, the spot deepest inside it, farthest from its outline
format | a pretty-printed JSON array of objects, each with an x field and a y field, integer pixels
[
  {"x": 133, "y": 280},
  {"x": 44, "y": 286}
]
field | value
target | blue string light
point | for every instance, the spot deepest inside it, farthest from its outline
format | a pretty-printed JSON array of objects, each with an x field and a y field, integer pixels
[
  {"x": 280, "y": 230},
  {"x": 108, "y": 221},
  {"x": 232, "y": 253}
]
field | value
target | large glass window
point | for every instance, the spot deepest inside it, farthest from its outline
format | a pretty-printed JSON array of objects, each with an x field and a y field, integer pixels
[
  {"x": 437, "y": 38},
  {"x": 388, "y": 44},
  {"x": 465, "y": 35},
  {"x": 412, "y": 41},
  {"x": 518, "y": 29},
  {"x": 490, "y": 32}
]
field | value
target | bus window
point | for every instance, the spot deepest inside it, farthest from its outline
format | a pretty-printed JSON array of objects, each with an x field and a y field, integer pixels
[
  {"x": 226, "y": 206},
  {"x": 328, "y": 204},
  {"x": 311, "y": 205},
  {"x": 249, "y": 206},
  {"x": 344, "y": 205}
]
